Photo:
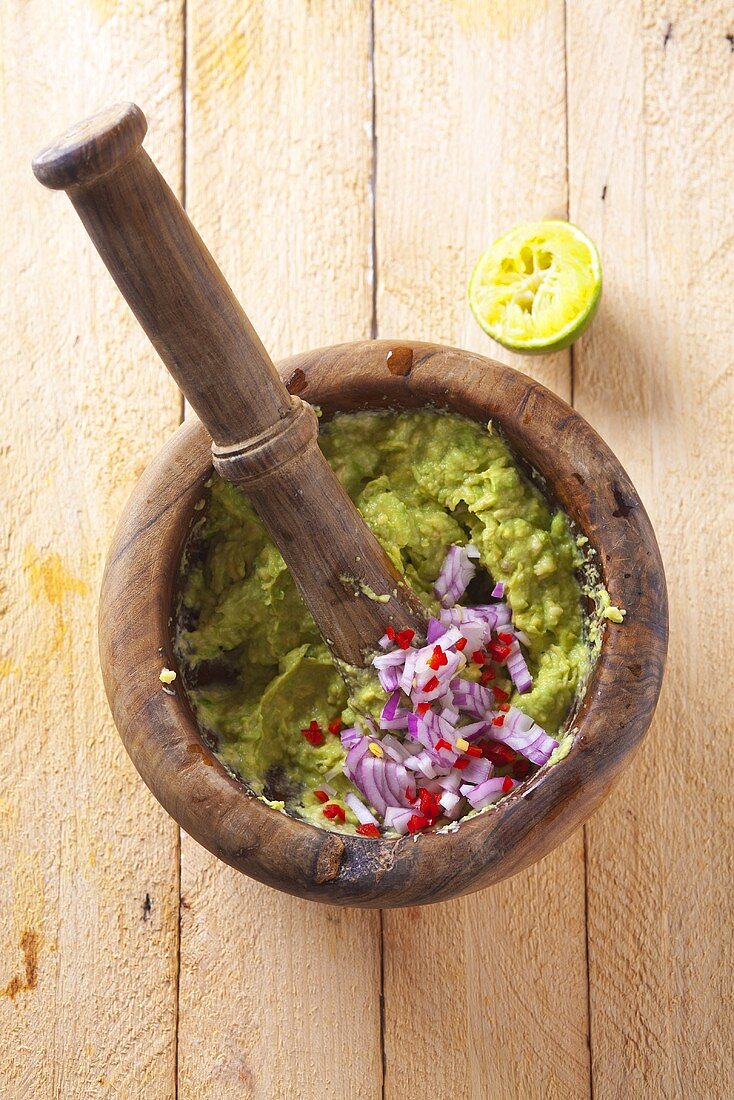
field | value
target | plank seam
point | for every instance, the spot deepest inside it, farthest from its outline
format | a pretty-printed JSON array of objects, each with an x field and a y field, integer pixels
[
  {"x": 373, "y": 171},
  {"x": 373, "y": 335},
  {"x": 572, "y": 395},
  {"x": 182, "y": 415},
  {"x": 571, "y": 360},
  {"x": 588, "y": 964},
  {"x": 184, "y": 123},
  {"x": 382, "y": 1005}
]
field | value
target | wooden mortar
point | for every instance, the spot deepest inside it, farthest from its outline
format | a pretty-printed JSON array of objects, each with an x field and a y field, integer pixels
[
  {"x": 159, "y": 729},
  {"x": 262, "y": 433}
]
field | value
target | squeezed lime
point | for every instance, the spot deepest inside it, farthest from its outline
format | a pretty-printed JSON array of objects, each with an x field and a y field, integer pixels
[{"x": 537, "y": 288}]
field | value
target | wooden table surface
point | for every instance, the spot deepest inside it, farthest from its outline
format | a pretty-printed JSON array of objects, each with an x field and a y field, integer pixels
[{"x": 346, "y": 162}]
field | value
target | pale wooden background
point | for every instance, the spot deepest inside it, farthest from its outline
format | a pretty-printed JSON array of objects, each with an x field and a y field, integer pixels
[{"x": 346, "y": 161}]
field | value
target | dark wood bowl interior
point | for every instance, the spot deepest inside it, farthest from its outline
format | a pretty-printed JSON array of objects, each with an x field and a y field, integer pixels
[{"x": 158, "y": 727}]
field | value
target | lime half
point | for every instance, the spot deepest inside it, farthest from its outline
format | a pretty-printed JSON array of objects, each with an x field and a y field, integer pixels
[{"x": 537, "y": 288}]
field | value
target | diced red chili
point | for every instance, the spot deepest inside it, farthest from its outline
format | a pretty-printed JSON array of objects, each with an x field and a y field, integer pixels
[
  {"x": 504, "y": 707},
  {"x": 410, "y": 794},
  {"x": 313, "y": 734},
  {"x": 335, "y": 727},
  {"x": 499, "y": 720},
  {"x": 500, "y": 695},
  {"x": 506, "y": 639},
  {"x": 322, "y": 796},
  {"x": 474, "y": 750},
  {"x": 497, "y": 752},
  {"x": 422, "y": 708},
  {"x": 499, "y": 652},
  {"x": 487, "y": 675},
  {"x": 404, "y": 638},
  {"x": 368, "y": 830},
  {"x": 461, "y": 763},
  {"x": 507, "y": 784},
  {"x": 443, "y": 744},
  {"x": 479, "y": 657},
  {"x": 335, "y": 812},
  {"x": 416, "y": 822},
  {"x": 390, "y": 632},
  {"x": 438, "y": 658},
  {"x": 430, "y": 805},
  {"x": 432, "y": 684},
  {"x": 461, "y": 644}
]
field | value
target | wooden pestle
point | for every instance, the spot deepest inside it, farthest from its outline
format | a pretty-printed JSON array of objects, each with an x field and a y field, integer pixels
[{"x": 264, "y": 440}]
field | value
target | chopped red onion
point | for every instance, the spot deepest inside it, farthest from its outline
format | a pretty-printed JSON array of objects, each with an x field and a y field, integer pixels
[
  {"x": 473, "y": 698},
  {"x": 350, "y": 737},
  {"x": 395, "y": 748},
  {"x": 521, "y": 733},
  {"x": 475, "y": 730},
  {"x": 424, "y": 756},
  {"x": 458, "y": 811},
  {"x": 518, "y": 670},
  {"x": 494, "y": 614},
  {"x": 387, "y": 660},
  {"x": 425, "y": 674},
  {"x": 449, "y": 801},
  {"x": 394, "y": 717},
  {"x": 450, "y": 782},
  {"x": 422, "y": 763},
  {"x": 390, "y": 708},
  {"x": 456, "y": 572},
  {"x": 389, "y": 678},
  {"x": 489, "y": 791},
  {"x": 434, "y": 631},
  {"x": 367, "y": 778},
  {"x": 406, "y": 680},
  {"x": 397, "y": 818},
  {"x": 354, "y": 756},
  {"x": 360, "y": 811},
  {"x": 476, "y": 771}
]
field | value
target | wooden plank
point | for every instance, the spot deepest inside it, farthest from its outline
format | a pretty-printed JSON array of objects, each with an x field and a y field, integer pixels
[
  {"x": 279, "y": 997},
  {"x": 89, "y": 878},
  {"x": 651, "y": 164},
  {"x": 470, "y": 140}
]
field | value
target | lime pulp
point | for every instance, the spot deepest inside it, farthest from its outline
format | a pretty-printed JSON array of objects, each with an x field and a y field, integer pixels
[{"x": 537, "y": 288}]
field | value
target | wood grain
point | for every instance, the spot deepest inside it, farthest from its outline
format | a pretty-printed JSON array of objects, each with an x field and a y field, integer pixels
[
  {"x": 654, "y": 374},
  {"x": 471, "y": 139},
  {"x": 137, "y": 602},
  {"x": 278, "y": 171},
  {"x": 264, "y": 439},
  {"x": 88, "y": 861}
]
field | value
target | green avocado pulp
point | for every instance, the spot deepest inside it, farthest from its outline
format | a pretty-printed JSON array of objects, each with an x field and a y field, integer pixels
[{"x": 254, "y": 664}]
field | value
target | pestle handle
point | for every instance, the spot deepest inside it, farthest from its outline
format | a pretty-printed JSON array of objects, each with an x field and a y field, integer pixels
[
  {"x": 265, "y": 441},
  {"x": 166, "y": 273}
]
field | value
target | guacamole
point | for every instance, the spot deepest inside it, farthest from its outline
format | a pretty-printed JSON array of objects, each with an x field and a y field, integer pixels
[{"x": 254, "y": 664}]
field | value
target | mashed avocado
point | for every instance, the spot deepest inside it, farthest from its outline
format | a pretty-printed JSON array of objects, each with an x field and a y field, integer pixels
[{"x": 255, "y": 667}]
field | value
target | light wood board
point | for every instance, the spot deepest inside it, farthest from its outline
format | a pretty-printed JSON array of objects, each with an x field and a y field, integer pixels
[
  {"x": 278, "y": 182},
  {"x": 606, "y": 969},
  {"x": 87, "y": 965},
  {"x": 460, "y": 160},
  {"x": 654, "y": 376}
]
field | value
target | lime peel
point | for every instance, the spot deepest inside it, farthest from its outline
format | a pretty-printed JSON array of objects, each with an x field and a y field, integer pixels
[{"x": 537, "y": 288}]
